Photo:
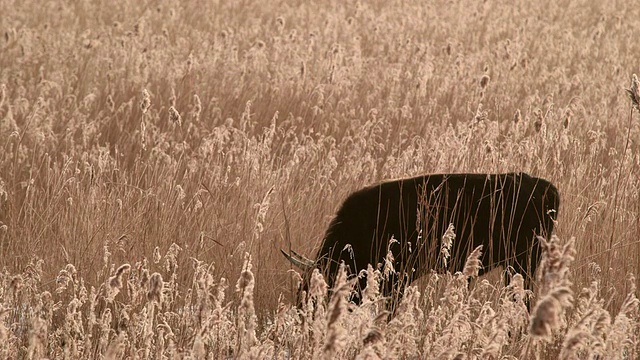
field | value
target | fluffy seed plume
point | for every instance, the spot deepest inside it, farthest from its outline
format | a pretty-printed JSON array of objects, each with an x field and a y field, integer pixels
[
  {"x": 484, "y": 81},
  {"x": 481, "y": 114},
  {"x": 546, "y": 316},
  {"x": 145, "y": 104},
  {"x": 116, "y": 347},
  {"x": 280, "y": 24},
  {"x": 156, "y": 255},
  {"x": 555, "y": 288},
  {"x": 111, "y": 105},
  {"x": 16, "y": 284},
  {"x": 473, "y": 264},
  {"x": 336, "y": 334},
  {"x": 373, "y": 336},
  {"x": 317, "y": 286},
  {"x": 246, "y": 311},
  {"x": 388, "y": 268},
  {"x": 155, "y": 288},
  {"x": 3, "y": 94},
  {"x": 115, "y": 282},
  {"x": 372, "y": 290},
  {"x": 197, "y": 107},
  {"x": 537, "y": 123},
  {"x": 634, "y": 92},
  {"x": 567, "y": 118},
  {"x": 517, "y": 116},
  {"x": 555, "y": 262},
  {"x": 174, "y": 116},
  {"x": 447, "y": 243}
]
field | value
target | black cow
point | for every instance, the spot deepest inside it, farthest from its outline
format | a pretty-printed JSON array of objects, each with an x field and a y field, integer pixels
[{"x": 502, "y": 212}]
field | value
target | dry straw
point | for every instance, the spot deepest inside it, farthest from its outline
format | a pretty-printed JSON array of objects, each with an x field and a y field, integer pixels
[
  {"x": 447, "y": 242},
  {"x": 246, "y": 312},
  {"x": 145, "y": 103},
  {"x": 114, "y": 283},
  {"x": 557, "y": 296},
  {"x": 174, "y": 116},
  {"x": 156, "y": 285},
  {"x": 634, "y": 92},
  {"x": 473, "y": 264},
  {"x": 335, "y": 333},
  {"x": 364, "y": 93}
]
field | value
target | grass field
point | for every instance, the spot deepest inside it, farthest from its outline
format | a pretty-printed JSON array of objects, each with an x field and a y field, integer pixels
[{"x": 155, "y": 156}]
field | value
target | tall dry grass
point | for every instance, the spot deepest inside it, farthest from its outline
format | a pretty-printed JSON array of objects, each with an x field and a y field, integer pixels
[
  {"x": 176, "y": 138},
  {"x": 149, "y": 317}
]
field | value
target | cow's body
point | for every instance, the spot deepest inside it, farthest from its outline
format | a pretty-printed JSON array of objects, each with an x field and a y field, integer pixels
[{"x": 502, "y": 212}]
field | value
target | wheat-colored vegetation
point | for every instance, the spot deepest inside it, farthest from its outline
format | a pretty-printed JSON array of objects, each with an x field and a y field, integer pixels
[{"x": 155, "y": 156}]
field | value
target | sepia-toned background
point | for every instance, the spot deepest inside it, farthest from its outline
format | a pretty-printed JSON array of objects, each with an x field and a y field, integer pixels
[{"x": 178, "y": 136}]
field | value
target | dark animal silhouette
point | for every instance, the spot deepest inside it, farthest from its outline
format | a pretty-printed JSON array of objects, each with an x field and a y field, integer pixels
[{"x": 503, "y": 212}]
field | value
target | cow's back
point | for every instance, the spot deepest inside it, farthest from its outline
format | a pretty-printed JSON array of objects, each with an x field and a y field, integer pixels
[{"x": 502, "y": 212}]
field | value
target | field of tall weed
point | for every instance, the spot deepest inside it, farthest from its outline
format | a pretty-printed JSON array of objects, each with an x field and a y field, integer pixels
[{"x": 156, "y": 156}]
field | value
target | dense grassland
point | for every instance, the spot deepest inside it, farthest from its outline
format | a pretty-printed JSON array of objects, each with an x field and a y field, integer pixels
[{"x": 155, "y": 156}]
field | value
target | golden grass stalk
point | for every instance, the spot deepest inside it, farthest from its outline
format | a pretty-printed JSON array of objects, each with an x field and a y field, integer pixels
[
  {"x": 484, "y": 81},
  {"x": 557, "y": 296},
  {"x": 375, "y": 334},
  {"x": 156, "y": 286},
  {"x": 38, "y": 339},
  {"x": 199, "y": 351},
  {"x": 114, "y": 284},
  {"x": 105, "y": 330},
  {"x": 388, "y": 268},
  {"x": 634, "y": 92},
  {"x": 473, "y": 264},
  {"x": 447, "y": 242},
  {"x": 335, "y": 338},
  {"x": 3, "y": 94},
  {"x": 622, "y": 340},
  {"x": 116, "y": 347},
  {"x": 513, "y": 305},
  {"x": 400, "y": 341},
  {"x": 546, "y": 316},
  {"x": 578, "y": 338},
  {"x": 197, "y": 108},
  {"x": 372, "y": 289},
  {"x": 4, "y": 332},
  {"x": 145, "y": 103},
  {"x": 174, "y": 116},
  {"x": 246, "y": 320}
]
